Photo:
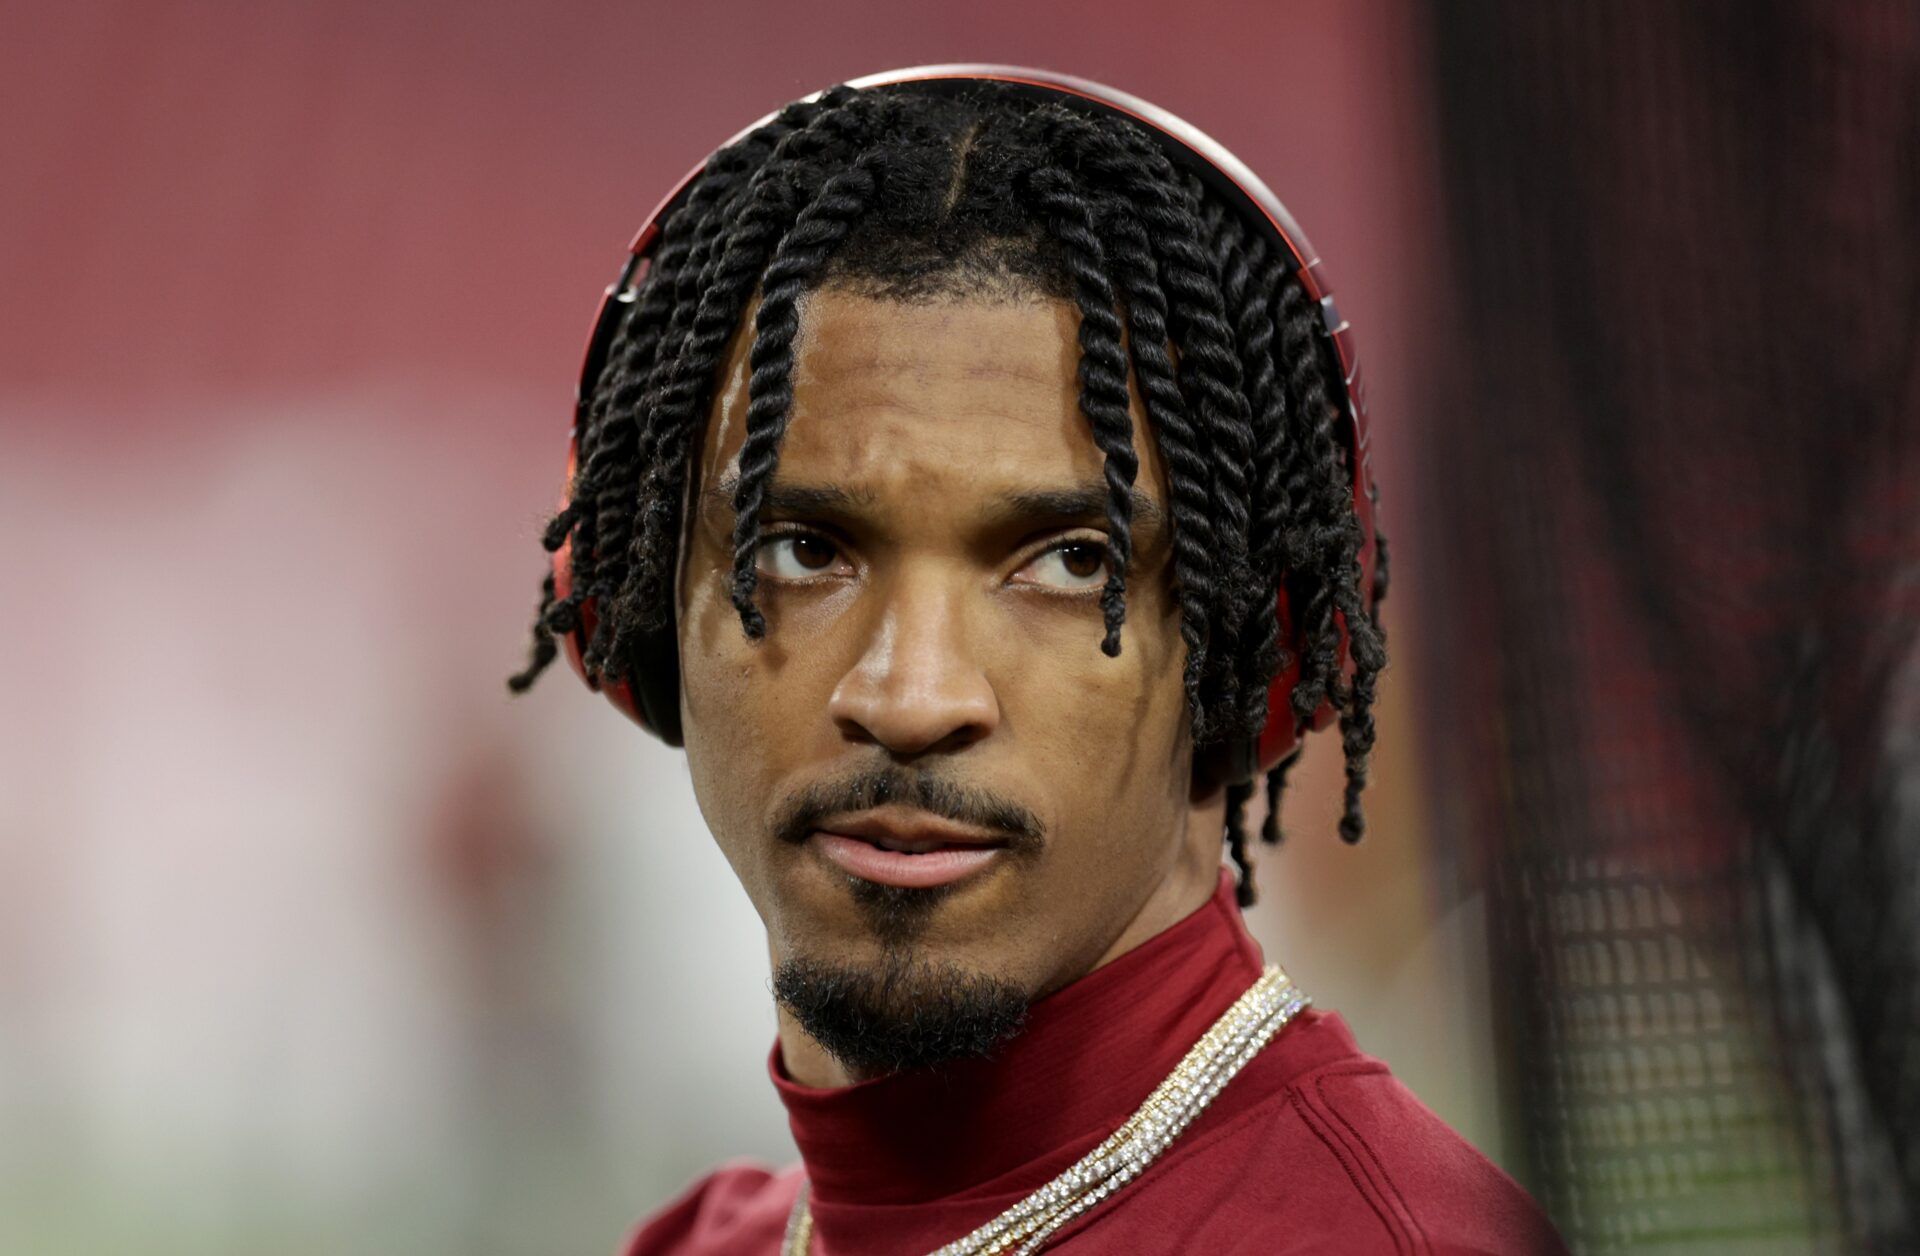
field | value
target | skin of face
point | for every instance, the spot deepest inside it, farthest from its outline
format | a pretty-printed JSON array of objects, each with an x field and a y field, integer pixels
[{"x": 920, "y": 626}]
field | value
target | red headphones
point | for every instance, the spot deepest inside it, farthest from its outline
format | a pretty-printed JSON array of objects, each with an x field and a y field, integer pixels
[{"x": 652, "y": 697}]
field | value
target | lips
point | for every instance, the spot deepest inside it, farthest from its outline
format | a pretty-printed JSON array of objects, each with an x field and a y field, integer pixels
[{"x": 915, "y": 851}]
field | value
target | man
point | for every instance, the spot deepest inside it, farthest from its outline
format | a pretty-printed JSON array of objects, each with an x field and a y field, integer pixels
[{"x": 937, "y": 484}]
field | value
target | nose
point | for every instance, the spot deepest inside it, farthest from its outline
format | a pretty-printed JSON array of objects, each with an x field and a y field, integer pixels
[{"x": 917, "y": 685}]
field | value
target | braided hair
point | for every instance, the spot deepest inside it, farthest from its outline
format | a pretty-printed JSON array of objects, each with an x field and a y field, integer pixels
[{"x": 905, "y": 193}]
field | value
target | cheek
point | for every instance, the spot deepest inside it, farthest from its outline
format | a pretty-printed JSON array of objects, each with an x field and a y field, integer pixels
[
  {"x": 753, "y": 712},
  {"x": 724, "y": 713},
  {"x": 739, "y": 692},
  {"x": 1115, "y": 728}
]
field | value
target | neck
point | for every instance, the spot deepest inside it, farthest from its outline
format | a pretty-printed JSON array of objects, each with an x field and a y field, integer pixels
[{"x": 1089, "y": 1053}]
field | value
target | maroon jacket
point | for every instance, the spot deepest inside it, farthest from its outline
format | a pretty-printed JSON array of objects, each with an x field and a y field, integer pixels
[{"x": 1312, "y": 1147}]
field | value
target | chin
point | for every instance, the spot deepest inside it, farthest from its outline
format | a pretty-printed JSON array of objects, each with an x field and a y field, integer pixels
[{"x": 908, "y": 1009}]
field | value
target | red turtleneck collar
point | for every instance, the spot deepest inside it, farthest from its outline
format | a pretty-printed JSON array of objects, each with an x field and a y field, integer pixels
[
  {"x": 1313, "y": 1146},
  {"x": 1089, "y": 1054}
]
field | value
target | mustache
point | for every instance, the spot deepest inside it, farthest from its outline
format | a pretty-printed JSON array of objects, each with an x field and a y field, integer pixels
[{"x": 889, "y": 785}]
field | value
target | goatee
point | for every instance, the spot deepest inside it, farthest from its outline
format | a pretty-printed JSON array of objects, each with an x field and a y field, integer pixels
[{"x": 907, "y": 1014}]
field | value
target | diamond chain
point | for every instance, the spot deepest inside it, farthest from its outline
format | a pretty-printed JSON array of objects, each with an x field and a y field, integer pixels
[{"x": 1222, "y": 1051}]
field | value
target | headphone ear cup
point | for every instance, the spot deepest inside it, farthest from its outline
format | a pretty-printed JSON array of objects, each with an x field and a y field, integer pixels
[
  {"x": 1281, "y": 736},
  {"x": 654, "y": 668},
  {"x": 1284, "y": 732},
  {"x": 1238, "y": 761},
  {"x": 651, "y": 698},
  {"x": 574, "y": 644}
]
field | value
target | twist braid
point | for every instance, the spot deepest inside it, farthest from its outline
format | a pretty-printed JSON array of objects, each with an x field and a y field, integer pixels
[
  {"x": 542, "y": 651},
  {"x": 1188, "y": 482},
  {"x": 1209, "y": 368},
  {"x": 760, "y": 215},
  {"x": 1270, "y": 831},
  {"x": 1329, "y": 542},
  {"x": 1316, "y": 484},
  {"x": 1104, "y": 395},
  {"x": 1209, "y": 357},
  {"x": 1236, "y": 837},
  {"x": 803, "y": 251},
  {"x": 614, "y": 438},
  {"x": 1250, "y": 273}
]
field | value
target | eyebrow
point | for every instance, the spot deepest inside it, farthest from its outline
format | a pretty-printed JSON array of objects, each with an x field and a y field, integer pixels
[
  {"x": 1081, "y": 501},
  {"x": 795, "y": 499}
]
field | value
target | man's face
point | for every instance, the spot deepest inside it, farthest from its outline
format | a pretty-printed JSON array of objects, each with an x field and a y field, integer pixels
[{"x": 930, "y": 571}]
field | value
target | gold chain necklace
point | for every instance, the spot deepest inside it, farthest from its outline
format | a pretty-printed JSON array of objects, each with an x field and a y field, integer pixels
[{"x": 1232, "y": 1040}]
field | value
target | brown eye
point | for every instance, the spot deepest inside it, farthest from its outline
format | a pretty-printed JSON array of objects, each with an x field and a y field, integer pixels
[
  {"x": 1083, "y": 562},
  {"x": 812, "y": 553},
  {"x": 796, "y": 555},
  {"x": 1074, "y": 565}
]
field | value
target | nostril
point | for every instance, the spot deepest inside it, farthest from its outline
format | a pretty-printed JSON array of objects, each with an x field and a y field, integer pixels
[{"x": 914, "y": 727}]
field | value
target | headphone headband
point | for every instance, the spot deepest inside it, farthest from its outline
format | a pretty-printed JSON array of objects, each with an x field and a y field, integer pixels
[{"x": 653, "y": 700}]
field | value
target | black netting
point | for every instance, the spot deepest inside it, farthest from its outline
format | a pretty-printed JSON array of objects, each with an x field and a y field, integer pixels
[{"x": 1678, "y": 492}]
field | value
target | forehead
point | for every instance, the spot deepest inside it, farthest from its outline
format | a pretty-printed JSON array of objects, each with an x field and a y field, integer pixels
[{"x": 947, "y": 397}]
